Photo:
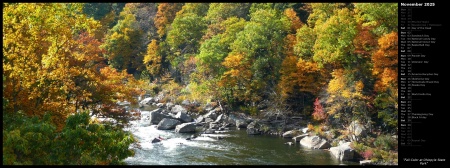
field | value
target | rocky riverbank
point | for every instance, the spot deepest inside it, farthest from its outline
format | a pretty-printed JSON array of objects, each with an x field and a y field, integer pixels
[{"x": 214, "y": 121}]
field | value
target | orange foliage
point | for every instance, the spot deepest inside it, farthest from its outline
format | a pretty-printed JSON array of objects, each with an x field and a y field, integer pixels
[
  {"x": 304, "y": 75},
  {"x": 364, "y": 41},
  {"x": 385, "y": 62},
  {"x": 165, "y": 16},
  {"x": 238, "y": 75},
  {"x": 295, "y": 21}
]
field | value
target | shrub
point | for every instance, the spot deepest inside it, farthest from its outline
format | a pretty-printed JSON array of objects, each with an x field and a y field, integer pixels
[
  {"x": 32, "y": 141},
  {"x": 385, "y": 142},
  {"x": 251, "y": 110},
  {"x": 318, "y": 114},
  {"x": 367, "y": 154}
]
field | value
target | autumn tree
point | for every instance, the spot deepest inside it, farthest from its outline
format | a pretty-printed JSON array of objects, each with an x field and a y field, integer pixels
[
  {"x": 122, "y": 44},
  {"x": 385, "y": 62},
  {"x": 260, "y": 41},
  {"x": 219, "y": 12},
  {"x": 152, "y": 59},
  {"x": 334, "y": 38},
  {"x": 164, "y": 17},
  {"x": 295, "y": 25},
  {"x": 236, "y": 80},
  {"x": 319, "y": 113},
  {"x": 55, "y": 67}
]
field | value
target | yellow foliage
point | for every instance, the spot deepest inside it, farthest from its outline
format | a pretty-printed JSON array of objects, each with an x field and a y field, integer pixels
[
  {"x": 152, "y": 59},
  {"x": 337, "y": 84}
]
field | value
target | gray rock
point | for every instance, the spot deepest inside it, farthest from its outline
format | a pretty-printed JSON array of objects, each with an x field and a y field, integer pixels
[
  {"x": 357, "y": 129},
  {"x": 299, "y": 137},
  {"x": 124, "y": 103},
  {"x": 178, "y": 108},
  {"x": 185, "y": 102},
  {"x": 240, "y": 123},
  {"x": 289, "y": 134},
  {"x": 304, "y": 130},
  {"x": 169, "y": 106},
  {"x": 156, "y": 117},
  {"x": 200, "y": 119},
  {"x": 166, "y": 124},
  {"x": 213, "y": 125},
  {"x": 208, "y": 120},
  {"x": 210, "y": 131},
  {"x": 365, "y": 162},
  {"x": 330, "y": 134},
  {"x": 253, "y": 128},
  {"x": 160, "y": 105},
  {"x": 220, "y": 118},
  {"x": 185, "y": 128},
  {"x": 147, "y": 101},
  {"x": 154, "y": 140},
  {"x": 183, "y": 117},
  {"x": 209, "y": 107},
  {"x": 343, "y": 152},
  {"x": 314, "y": 142},
  {"x": 289, "y": 143},
  {"x": 211, "y": 114}
]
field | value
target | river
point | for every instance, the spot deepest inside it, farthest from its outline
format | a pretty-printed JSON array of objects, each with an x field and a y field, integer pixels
[{"x": 236, "y": 148}]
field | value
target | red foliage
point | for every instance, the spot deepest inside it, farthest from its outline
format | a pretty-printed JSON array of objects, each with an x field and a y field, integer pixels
[
  {"x": 367, "y": 154},
  {"x": 319, "y": 113}
]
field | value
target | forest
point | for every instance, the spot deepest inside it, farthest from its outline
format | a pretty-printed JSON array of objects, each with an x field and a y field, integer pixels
[{"x": 330, "y": 63}]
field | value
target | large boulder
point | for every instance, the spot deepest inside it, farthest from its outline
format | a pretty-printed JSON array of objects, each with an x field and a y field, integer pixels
[
  {"x": 208, "y": 120},
  {"x": 147, "y": 101},
  {"x": 184, "y": 128},
  {"x": 299, "y": 137},
  {"x": 178, "y": 108},
  {"x": 167, "y": 123},
  {"x": 289, "y": 134},
  {"x": 343, "y": 151},
  {"x": 154, "y": 140},
  {"x": 160, "y": 105},
  {"x": 211, "y": 114},
  {"x": 156, "y": 116},
  {"x": 200, "y": 119},
  {"x": 357, "y": 129},
  {"x": 183, "y": 117},
  {"x": 314, "y": 142},
  {"x": 253, "y": 128},
  {"x": 240, "y": 123}
]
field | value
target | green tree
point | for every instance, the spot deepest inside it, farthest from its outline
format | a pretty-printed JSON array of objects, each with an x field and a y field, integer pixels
[
  {"x": 382, "y": 16},
  {"x": 122, "y": 44}
]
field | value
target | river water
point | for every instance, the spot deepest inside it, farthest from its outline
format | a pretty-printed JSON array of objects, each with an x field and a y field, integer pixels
[{"x": 236, "y": 148}]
